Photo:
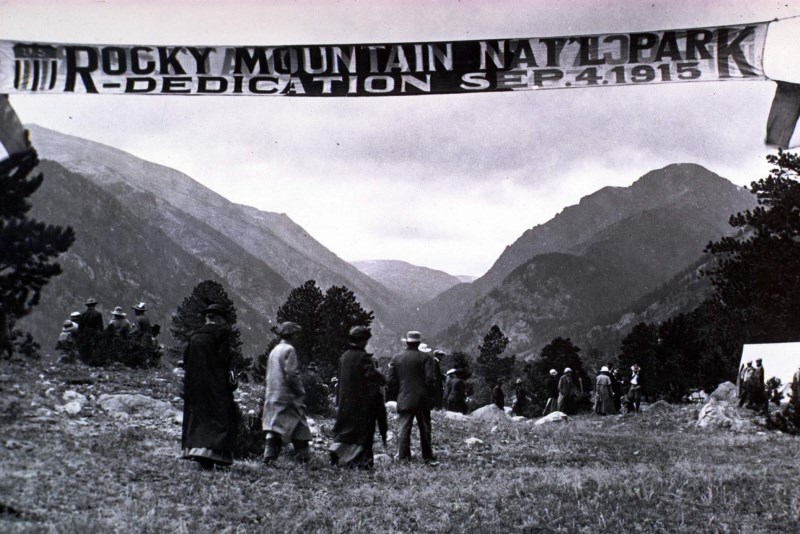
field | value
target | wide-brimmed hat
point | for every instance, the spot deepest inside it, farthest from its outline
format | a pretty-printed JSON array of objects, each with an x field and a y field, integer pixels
[
  {"x": 287, "y": 328},
  {"x": 567, "y": 370},
  {"x": 140, "y": 307},
  {"x": 604, "y": 369},
  {"x": 412, "y": 337},
  {"x": 360, "y": 332},
  {"x": 74, "y": 315},
  {"x": 423, "y": 347},
  {"x": 438, "y": 352},
  {"x": 67, "y": 325},
  {"x": 117, "y": 312},
  {"x": 90, "y": 301},
  {"x": 451, "y": 372}
]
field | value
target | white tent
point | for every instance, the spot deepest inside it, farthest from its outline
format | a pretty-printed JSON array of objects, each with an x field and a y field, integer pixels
[{"x": 779, "y": 359}]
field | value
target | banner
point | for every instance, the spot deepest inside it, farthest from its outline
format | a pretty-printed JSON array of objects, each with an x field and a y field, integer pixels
[{"x": 642, "y": 58}]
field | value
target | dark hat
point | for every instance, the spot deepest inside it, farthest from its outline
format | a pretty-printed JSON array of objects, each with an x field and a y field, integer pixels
[
  {"x": 90, "y": 302},
  {"x": 360, "y": 332},
  {"x": 287, "y": 329},
  {"x": 213, "y": 309},
  {"x": 140, "y": 307},
  {"x": 438, "y": 352},
  {"x": 412, "y": 337}
]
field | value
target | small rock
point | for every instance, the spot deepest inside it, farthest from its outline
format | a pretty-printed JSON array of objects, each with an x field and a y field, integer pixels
[
  {"x": 473, "y": 441},
  {"x": 382, "y": 459},
  {"x": 71, "y": 395},
  {"x": 519, "y": 418},
  {"x": 456, "y": 416},
  {"x": 72, "y": 407},
  {"x": 555, "y": 417}
]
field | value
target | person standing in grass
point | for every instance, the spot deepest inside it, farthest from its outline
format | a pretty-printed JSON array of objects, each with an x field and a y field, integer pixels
[
  {"x": 284, "y": 417},
  {"x": 635, "y": 390},
  {"x": 411, "y": 381},
  {"x": 604, "y": 395},
  {"x": 566, "y": 393},
  {"x": 498, "y": 397},
  {"x": 209, "y": 411},
  {"x": 551, "y": 385},
  {"x": 360, "y": 404}
]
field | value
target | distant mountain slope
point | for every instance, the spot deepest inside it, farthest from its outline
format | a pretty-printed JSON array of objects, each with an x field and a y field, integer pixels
[
  {"x": 615, "y": 247},
  {"x": 121, "y": 258},
  {"x": 413, "y": 283},
  {"x": 282, "y": 247}
]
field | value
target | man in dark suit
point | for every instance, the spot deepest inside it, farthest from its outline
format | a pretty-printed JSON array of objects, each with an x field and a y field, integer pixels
[
  {"x": 412, "y": 380},
  {"x": 91, "y": 318}
]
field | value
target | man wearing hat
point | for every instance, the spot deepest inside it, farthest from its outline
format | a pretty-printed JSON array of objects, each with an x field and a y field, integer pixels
[
  {"x": 67, "y": 341},
  {"x": 143, "y": 326},
  {"x": 551, "y": 386},
  {"x": 209, "y": 411},
  {"x": 120, "y": 323},
  {"x": 761, "y": 396},
  {"x": 521, "y": 402},
  {"x": 635, "y": 390},
  {"x": 566, "y": 393},
  {"x": 91, "y": 319},
  {"x": 360, "y": 404},
  {"x": 411, "y": 381},
  {"x": 284, "y": 405}
]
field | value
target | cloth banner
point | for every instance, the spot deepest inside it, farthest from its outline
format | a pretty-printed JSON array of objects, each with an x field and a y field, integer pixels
[
  {"x": 784, "y": 115},
  {"x": 641, "y": 58},
  {"x": 12, "y": 135}
]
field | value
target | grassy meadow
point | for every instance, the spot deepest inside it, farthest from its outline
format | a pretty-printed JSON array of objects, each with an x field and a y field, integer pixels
[{"x": 653, "y": 472}]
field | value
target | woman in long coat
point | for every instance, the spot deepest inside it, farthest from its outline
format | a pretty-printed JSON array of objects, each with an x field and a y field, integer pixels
[
  {"x": 552, "y": 393},
  {"x": 604, "y": 395},
  {"x": 209, "y": 411},
  {"x": 360, "y": 404},
  {"x": 456, "y": 398},
  {"x": 566, "y": 393}
]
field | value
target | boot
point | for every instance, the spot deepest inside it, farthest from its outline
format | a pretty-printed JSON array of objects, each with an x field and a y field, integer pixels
[
  {"x": 273, "y": 448},
  {"x": 302, "y": 454}
]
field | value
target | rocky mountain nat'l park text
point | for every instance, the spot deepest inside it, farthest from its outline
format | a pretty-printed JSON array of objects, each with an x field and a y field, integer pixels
[{"x": 699, "y": 54}]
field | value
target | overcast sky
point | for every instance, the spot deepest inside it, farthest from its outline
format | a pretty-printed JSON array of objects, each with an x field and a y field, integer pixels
[{"x": 442, "y": 181}]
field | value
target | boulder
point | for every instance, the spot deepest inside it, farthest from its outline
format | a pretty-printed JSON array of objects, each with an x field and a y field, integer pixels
[
  {"x": 125, "y": 405},
  {"x": 726, "y": 391},
  {"x": 71, "y": 395},
  {"x": 382, "y": 459},
  {"x": 490, "y": 414},
  {"x": 725, "y": 415},
  {"x": 555, "y": 417},
  {"x": 73, "y": 407},
  {"x": 472, "y": 442},
  {"x": 456, "y": 416}
]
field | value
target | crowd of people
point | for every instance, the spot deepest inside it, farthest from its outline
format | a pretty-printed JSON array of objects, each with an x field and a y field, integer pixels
[
  {"x": 89, "y": 325},
  {"x": 751, "y": 387},
  {"x": 414, "y": 380}
]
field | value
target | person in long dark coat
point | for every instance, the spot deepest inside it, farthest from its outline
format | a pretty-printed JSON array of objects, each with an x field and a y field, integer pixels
[
  {"x": 438, "y": 386},
  {"x": 456, "y": 391},
  {"x": 616, "y": 388},
  {"x": 566, "y": 393},
  {"x": 359, "y": 404},
  {"x": 209, "y": 411},
  {"x": 411, "y": 380},
  {"x": 91, "y": 319},
  {"x": 498, "y": 397}
]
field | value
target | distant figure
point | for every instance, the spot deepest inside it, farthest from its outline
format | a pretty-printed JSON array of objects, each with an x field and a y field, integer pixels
[
  {"x": 143, "y": 327},
  {"x": 284, "y": 406},
  {"x": 456, "y": 391},
  {"x": 566, "y": 393},
  {"x": 750, "y": 386},
  {"x": 498, "y": 397},
  {"x": 740, "y": 382},
  {"x": 604, "y": 394},
  {"x": 761, "y": 397},
  {"x": 411, "y": 380},
  {"x": 551, "y": 385},
  {"x": 616, "y": 388},
  {"x": 521, "y": 403},
  {"x": 635, "y": 390},
  {"x": 66, "y": 343},
  {"x": 360, "y": 404},
  {"x": 120, "y": 325},
  {"x": 209, "y": 411},
  {"x": 91, "y": 319},
  {"x": 75, "y": 317},
  {"x": 438, "y": 385},
  {"x": 796, "y": 387}
]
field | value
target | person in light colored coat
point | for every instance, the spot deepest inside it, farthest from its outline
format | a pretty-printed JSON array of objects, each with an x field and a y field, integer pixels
[
  {"x": 284, "y": 418},
  {"x": 604, "y": 395},
  {"x": 566, "y": 393}
]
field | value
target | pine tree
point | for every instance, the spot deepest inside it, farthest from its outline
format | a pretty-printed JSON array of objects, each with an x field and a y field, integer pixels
[
  {"x": 303, "y": 307},
  {"x": 27, "y": 246},
  {"x": 757, "y": 274},
  {"x": 189, "y": 317},
  {"x": 489, "y": 364}
]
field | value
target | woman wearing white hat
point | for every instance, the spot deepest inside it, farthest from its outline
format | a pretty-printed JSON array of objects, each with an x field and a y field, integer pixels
[{"x": 604, "y": 397}]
